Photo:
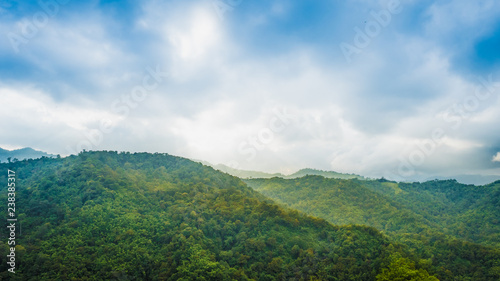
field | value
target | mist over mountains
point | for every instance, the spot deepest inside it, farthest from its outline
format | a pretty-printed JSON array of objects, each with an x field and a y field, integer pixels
[
  {"x": 245, "y": 174},
  {"x": 22, "y": 153},
  {"x": 29, "y": 153}
]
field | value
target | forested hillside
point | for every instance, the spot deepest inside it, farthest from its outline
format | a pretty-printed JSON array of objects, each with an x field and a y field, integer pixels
[
  {"x": 122, "y": 216},
  {"x": 466, "y": 211},
  {"x": 429, "y": 218}
]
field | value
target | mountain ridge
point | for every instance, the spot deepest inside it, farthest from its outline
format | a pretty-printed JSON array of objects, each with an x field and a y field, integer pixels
[
  {"x": 21, "y": 154},
  {"x": 247, "y": 174}
]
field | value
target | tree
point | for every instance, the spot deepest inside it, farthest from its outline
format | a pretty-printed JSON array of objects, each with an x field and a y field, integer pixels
[
  {"x": 200, "y": 266},
  {"x": 401, "y": 269}
]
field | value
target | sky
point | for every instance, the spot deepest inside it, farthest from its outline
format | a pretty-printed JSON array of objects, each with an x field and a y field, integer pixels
[{"x": 397, "y": 89}]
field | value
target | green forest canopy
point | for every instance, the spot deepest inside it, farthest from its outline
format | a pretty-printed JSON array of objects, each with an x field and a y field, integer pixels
[
  {"x": 123, "y": 216},
  {"x": 451, "y": 226}
]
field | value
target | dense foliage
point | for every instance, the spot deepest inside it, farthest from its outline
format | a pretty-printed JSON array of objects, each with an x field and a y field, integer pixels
[
  {"x": 122, "y": 216},
  {"x": 466, "y": 211},
  {"x": 428, "y": 218}
]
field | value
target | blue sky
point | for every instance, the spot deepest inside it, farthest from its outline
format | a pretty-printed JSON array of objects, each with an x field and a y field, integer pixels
[{"x": 402, "y": 89}]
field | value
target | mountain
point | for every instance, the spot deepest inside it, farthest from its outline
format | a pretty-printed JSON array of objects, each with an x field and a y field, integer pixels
[
  {"x": 122, "y": 216},
  {"x": 244, "y": 174},
  {"x": 326, "y": 174},
  {"x": 21, "y": 154},
  {"x": 341, "y": 202},
  {"x": 443, "y": 222},
  {"x": 468, "y": 212},
  {"x": 469, "y": 179}
]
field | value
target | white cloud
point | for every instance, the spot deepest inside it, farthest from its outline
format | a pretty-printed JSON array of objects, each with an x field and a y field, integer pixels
[
  {"x": 362, "y": 117},
  {"x": 462, "y": 18},
  {"x": 34, "y": 116},
  {"x": 195, "y": 38},
  {"x": 496, "y": 158}
]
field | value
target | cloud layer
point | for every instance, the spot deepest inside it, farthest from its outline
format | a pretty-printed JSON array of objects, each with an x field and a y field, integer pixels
[{"x": 264, "y": 85}]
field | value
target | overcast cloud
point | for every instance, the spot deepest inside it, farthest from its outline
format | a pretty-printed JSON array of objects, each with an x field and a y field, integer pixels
[{"x": 405, "y": 90}]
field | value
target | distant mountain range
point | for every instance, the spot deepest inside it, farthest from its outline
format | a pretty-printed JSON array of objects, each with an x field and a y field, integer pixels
[
  {"x": 244, "y": 174},
  {"x": 21, "y": 154},
  {"x": 469, "y": 179},
  {"x": 326, "y": 174},
  {"x": 30, "y": 153}
]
